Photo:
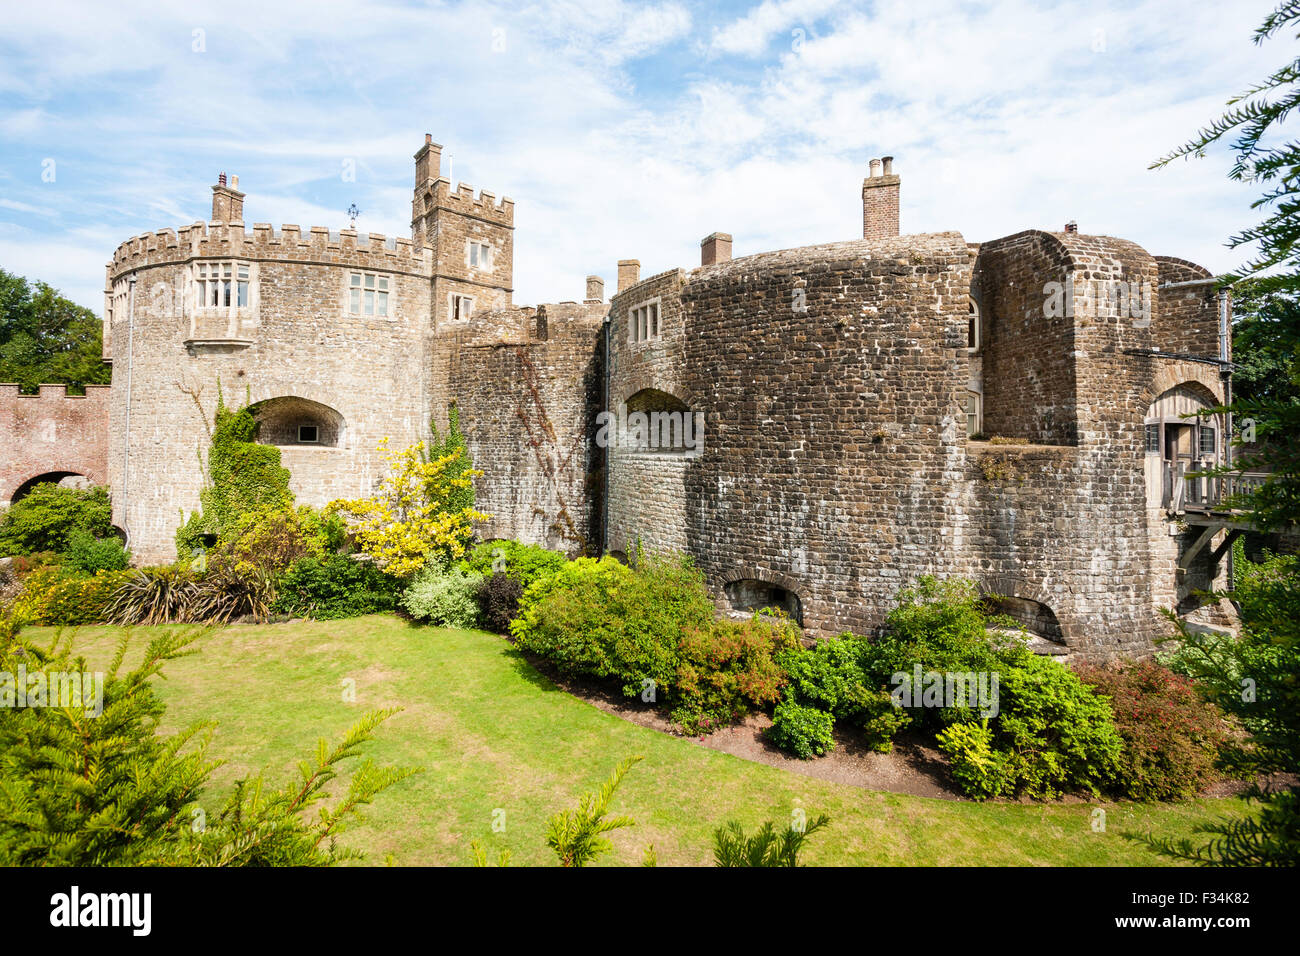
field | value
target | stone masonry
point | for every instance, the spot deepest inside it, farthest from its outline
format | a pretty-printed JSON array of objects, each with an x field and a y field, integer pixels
[{"x": 816, "y": 427}]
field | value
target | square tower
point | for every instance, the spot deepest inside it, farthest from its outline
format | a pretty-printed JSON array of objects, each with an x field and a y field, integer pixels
[{"x": 469, "y": 239}]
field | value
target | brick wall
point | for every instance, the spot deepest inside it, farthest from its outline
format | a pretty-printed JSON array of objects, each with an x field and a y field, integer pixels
[{"x": 52, "y": 433}]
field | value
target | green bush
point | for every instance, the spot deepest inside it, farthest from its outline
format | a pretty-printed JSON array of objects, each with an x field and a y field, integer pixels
[
  {"x": 603, "y": 619},
  {"x": 830, "y": 676},
  {"x": 47, "y": 518},
  {"x": 524, "y": 563},
  {"x": 335, "y": 586},
  {"x": 89, "y": 554},
  {"x": 271, "y": 539},
  {"x": 161, "y": 595},
  {"x": 803, "y": 731},
  {"x": 445, "y": 597},
  {"x": 978, "y": 769},
  {"x": 1171, "y": 734},
  {"x": 57, "y": 596},
  {"x": 727, "y": 670},
  {"x": 1055, "y": 733}
]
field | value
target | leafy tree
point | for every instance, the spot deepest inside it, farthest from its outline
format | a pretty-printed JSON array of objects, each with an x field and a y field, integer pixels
[
  {"x": 50, "y": 517},
  {"x": 1268, "y": 654},
  {"x": 45, "y": 338},
  {"x": 1265, "y": 344}
]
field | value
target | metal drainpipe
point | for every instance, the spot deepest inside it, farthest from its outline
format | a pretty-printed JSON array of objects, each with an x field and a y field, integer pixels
[{"x": 126, "y": 441}]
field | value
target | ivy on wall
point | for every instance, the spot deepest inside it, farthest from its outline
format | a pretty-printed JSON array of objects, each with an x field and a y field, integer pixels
[{"x": 243, "y": 477}]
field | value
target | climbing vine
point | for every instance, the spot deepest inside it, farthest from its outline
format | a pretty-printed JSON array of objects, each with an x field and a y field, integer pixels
[{"x": 242, "y": 477}]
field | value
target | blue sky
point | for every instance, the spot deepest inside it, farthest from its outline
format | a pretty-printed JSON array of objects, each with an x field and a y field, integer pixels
[{"x": 620, "y": 129}]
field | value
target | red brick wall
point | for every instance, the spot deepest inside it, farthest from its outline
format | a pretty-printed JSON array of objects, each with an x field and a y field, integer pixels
[{"x": 52, "y": 432}]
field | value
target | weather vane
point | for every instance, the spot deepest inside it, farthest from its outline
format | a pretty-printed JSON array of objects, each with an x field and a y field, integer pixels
[{"x": 353, "y": 212}]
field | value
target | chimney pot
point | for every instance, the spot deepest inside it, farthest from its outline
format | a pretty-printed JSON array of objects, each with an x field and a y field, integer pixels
[
  {"x": 1071, "y": 226},
  {"x": 875, "y": 168},
  {"x": 715, "y": 248},
  {"x": 221, "y": 179},
  {"x": 888, "y": 162}
]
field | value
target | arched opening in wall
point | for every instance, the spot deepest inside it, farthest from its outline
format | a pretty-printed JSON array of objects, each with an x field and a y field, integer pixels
[
  {"x": 298, "y": 421},
  {"x": 1034, "y": 616},
  {"x": 749, "y": 595},
  {"x": 660, "y": 423},
  {"x": 66, "y": 479},
  {"x": 1181, "y": 437}
]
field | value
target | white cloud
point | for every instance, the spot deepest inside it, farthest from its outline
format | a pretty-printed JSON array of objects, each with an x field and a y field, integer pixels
[{"x": 617, "y": 133}]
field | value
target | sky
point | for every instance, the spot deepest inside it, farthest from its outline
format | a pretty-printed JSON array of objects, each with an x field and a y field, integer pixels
[{"x": 621, "y": 130}]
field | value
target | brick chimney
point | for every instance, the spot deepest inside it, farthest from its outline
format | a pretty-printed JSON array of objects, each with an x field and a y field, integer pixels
[
  {"x": 715, "y": 248},
  {"x": 595, "y": 290},
  {"x": 880, "y": 200},
  {"x": 428, "y": 162},
  {"x": 227, "y": 201},
  {"x": 629, "y": 273},
  {"x": 1071, "y": 226}
]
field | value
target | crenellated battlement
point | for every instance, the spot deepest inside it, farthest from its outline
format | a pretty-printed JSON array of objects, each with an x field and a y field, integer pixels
[
  {"x": 10, "y": 393},
  {"x": 463, "y": 200},
  {"x": 290, "y": 242}
]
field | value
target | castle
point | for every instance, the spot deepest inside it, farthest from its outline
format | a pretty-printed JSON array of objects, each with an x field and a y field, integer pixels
[{"x": 816, "y": 426}]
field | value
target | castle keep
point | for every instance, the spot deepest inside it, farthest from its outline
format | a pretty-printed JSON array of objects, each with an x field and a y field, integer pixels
[{"x": 815, "y": 426}]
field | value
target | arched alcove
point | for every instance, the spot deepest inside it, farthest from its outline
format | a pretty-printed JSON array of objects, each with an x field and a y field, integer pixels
[
  {"x": 290, "y": 420},
  {"x": 751, "y": 594},
  {"x": 69, "y": 479},
  {"x": 658, "y": 422}
]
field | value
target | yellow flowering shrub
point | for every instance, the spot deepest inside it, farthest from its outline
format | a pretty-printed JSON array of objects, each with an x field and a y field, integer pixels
[{"x": 410, "y": 517}]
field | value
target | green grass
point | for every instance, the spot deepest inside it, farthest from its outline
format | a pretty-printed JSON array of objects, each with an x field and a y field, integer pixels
[{"x": 494, "y": 735}]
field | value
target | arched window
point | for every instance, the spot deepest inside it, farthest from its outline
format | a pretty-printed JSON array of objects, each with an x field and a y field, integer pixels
[
  {"x": 973, "y": 327},
  {"x": 290, "y": 420},
  {"x": 659, "y": 423}
]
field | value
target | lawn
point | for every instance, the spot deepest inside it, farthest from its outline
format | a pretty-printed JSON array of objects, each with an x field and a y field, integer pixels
[{"x": 495, "y": 736}]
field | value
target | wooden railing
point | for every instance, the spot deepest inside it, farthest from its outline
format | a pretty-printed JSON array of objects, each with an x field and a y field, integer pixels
[{"x": 1186, "y": 489}]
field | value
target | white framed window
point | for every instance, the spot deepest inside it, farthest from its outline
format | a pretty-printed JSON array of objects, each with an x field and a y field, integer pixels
[
  {"x": 368, "y": 294},
  {"x": 462, "y": 307},
  {"x": 479, "y": 256},
  {"x": 222, "y": 284},
  {"x": 973, "y": 328},
  {"x": 643, "y": 322},
  {"x": 974, "y": 413}
]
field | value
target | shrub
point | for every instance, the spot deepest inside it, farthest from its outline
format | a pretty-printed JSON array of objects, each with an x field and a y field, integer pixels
[
  {"x": 335, "y": 586},
  {"x": 1171, "y": 735},
  {"x": 89, "y": 554},
  {"x": 270, "y": 539},
  {"x": 978, "y": 769},
  {"x": 445, "y": 597},
  {"x": 226, "y": 594},
  {"x": 524, "y": 563},
  {"x": 603, "y": 619},
  {"x": 498, "y": 602},
  {"x": 803, "y": 731},
  {"x": 59, "y": 596},
  {"x": 47, "y": 517},
  {"x": 766, "y": 848},
  {"x": 728, "y": 669},
  {"x": 80, "y": 789},
  {"x": 830, "y": 677},
  {"x": 154, "y": 596},
  {"x": 1056, "y": 734},
  {"x": 417, "y": 516}
]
